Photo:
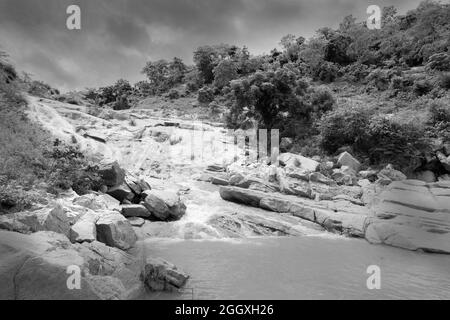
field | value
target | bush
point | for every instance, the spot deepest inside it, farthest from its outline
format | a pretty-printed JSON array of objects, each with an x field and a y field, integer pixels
[
  {"x": 444, "y": 80},
  {"x": 322, "y": 101},
  {"x": 422, "y": 87},
  {"x": 389, "y": 141},
  {"x": 439, "y": 62},
  {"x": 205, "y": 95},
  {"x": 121, "y": 103},
  {"x": 343, "y": 127},
  {"x": 173, "y": 94},
  {"x": 439, "y": 113},
  {"x": 325, "y": 71}
]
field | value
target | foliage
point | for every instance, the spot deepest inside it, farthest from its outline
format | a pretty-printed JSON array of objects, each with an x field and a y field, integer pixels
[{"x": 164, "y": 75}]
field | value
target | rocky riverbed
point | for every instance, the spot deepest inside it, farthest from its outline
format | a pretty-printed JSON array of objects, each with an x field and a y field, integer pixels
[{"x": 167, "y": 178}]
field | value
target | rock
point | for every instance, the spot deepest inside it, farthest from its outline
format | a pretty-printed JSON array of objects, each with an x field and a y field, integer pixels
[
  {"x": 298, "y": 161},
  {"x": 84, "y": 230},
  {"x": 346, "y": 159},
  {"x": 298, "y": 174},
  {"x": 426, "y": 176},
  {"x": 328, "y": 165},
  {"x": 219, "y": 181},
  {"x": 286, "y": 144},
  {"x": 390, "y": 173},
  {"x": 164, "y": 205},
  {"x": 320, "y": 178},
  {"x": 136, "y": 222},
  {"x": 38, "y": 266},
  {"x": 445, "y": 177},
  {"x": 368, "y": 174},
  {"x": 112, "y": 174},
  {"x": 56, "y": 220},
  {"x": 444, "y": 160},
  {"x": 137, "y": 185},
  {"x": 160, "y": 275},
  {"x": 345, "y": 176},
  {"x": 236, "y": 179},
  {"x": 121, "y": 192},
  {"x": 215, "y": 168},
  {"x": 135, "y": 210},
  {"x": 97, "y": 202},
  {"x": 115, "y": 230},
  {"x": 407, "y": 237}
]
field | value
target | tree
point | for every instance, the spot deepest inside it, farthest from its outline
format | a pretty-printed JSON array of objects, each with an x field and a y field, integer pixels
[
  {"x": 164, "y": 75},
  {"x": 224, "y": 72}
]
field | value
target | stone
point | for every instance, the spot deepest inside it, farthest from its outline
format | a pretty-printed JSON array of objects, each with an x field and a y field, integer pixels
[
  {"x": 346, "y": 159},
  {"x": 136, "y": 221},
  {"x": 320, "y": 178},
  {"x": 368, "y": 174},
  {"x": 344, "y": 176},
  {"x": 135, "y": 210},
  {"x": 36, "y": 267},
  {"x": 111, "y": 173},
  {"x": 115, "y": 230},
  {"x": 297, "y": 161},
  {"x": 121, "y": 192},
  {"x": 390, "y": 173},
  {"x": 444, "y": 160},
  {"x": 407, "y": 237},
  {"x": 215, "y": 168},
  {"x": 160, "y": 275},
  {"x": 219, "y": 181},
  {"x": 445, "y": 177},
  {"x": 164, "y": 205},
  {"x": 84, "y": 230}
]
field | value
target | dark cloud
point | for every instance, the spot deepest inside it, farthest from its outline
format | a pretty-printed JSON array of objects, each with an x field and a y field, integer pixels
[{"x": 119, "y": 36}]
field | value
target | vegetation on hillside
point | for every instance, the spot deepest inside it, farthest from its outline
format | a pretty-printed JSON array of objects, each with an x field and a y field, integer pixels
[{"x": 31, "y": 163}]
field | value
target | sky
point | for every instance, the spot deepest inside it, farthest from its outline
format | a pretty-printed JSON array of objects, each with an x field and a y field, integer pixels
[{"x": 117, "y": 37}]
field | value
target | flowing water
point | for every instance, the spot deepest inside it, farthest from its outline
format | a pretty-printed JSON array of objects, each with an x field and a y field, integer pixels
[{"x": 314, "y": 265}]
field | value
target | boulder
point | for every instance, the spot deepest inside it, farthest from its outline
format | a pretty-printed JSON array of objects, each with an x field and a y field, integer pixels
[
  {"x": 215, "y": 168},
  {"x": 389, "y": 173},
  {"x": 297, "y": 161},
  {"x": 84, "y": 230},
  {"x": 97, "y": 202},
  {"x": 136, "y": 222},
  {"x": 111, "y": 173},
  {"x": 219, "y": 181},
  {"x": 115, "y": 230},
  {"x": 320, "y": 178},
  {"x": 135, "y": 210},
  {"x": 345, "y": 176},
  {"x": 346, "y": 159},
  {"x": 160, "y": 275},
  {"x": 38, "y": 266},
  {"x": 121, "y": 192},
  {"x": 444, "y": 160},
  {"x": 164, "y": 205}
]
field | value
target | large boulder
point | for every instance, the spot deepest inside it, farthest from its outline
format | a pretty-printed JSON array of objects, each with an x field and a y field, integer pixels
[
  {"x": 111, "y": 173},
  {"x": 121, "y": 192},
  {"x": 135, "y": 210},
  {"x": 164, "y": 205},
  {"x": 84, "y": 230},
  {"x": 160, "y": 275},
  {"x": 97, "y": 202},
  {"x": 115, "y": 230},
  {"x": 39, "y": 266},
  {"x": 297, "y": 161},
  {"x": 391, "y": 174},
  {"x": 346, "y": 159}
]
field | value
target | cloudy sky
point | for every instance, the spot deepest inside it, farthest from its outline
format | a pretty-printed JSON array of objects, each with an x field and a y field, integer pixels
[{"x": 117, "y": 37}]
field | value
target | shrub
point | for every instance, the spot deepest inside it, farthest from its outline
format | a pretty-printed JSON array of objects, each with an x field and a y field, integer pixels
[
  {"x": 121, "y": 103},
  {"x": 205, "y": 95},
  {"x": 325, "y": 71},
  {"x": 224, "y": 72},
  {"x": 439, "y": 62},
  {"x": 422, "y": 87},
  {"x": 173, "y": 94},
  {"x": 322, "y": 101},
  {"x": 444, "y": 80},
  {"x": 343, "y": 127},
  {"x": 390, "y": 141},
  {"x": 439, "y": 113}
]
